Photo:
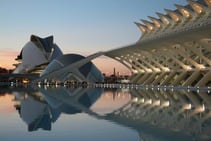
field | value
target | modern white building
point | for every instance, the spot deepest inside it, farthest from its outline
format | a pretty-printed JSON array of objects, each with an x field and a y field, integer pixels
[
  {"x": 36, "y": 54},
  {"x": 86, "y": 72},
  {"x": 44, "y": 57},
  {"x": 174, "y": 49}
]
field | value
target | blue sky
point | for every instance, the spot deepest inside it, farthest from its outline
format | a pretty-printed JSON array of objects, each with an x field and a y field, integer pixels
[{"x": 79, "y": 26}]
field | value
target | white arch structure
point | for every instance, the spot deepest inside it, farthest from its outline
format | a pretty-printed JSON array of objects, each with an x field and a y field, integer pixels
[
  {"x": 72, "y": 69},
  {"x": 173, "y": 50}
]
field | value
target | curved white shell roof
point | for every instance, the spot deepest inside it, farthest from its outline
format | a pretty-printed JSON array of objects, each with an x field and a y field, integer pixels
[{"x": 36, "y": 52}]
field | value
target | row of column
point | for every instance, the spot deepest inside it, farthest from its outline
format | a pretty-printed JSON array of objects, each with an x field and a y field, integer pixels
[{"x": 181, "y": 64}]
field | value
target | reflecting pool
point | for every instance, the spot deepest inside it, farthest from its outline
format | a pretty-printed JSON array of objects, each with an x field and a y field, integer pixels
[{"x": 104, "y": 114}]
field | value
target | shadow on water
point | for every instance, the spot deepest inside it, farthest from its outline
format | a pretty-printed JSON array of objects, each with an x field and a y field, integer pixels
[{"x": 153, "y": 114}]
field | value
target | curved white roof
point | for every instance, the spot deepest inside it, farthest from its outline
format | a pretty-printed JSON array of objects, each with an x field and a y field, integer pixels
[
  {"x": 85, "y": 72},
  {"x": 36, "y": 52}
]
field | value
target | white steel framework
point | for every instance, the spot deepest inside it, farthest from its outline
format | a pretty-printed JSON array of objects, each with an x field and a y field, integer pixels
[{"x": 173, "y": 50}]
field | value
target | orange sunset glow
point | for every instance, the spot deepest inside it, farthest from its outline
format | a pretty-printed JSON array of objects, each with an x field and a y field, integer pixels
[
  {"x": 105, "y": 64},
  {"x": 7, "y": 105},
  {"x": 7, "y": 58},
  {"x": 111, "y": 101}
]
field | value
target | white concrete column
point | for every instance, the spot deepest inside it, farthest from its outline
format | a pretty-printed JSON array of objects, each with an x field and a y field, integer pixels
[
  {"x": 150, "y": 79},
  {"x": 170, "y": 76},
  {"x": 193, "y": 48},
  {"x": 191, "y": 78},
  {"x": 144, "y": 78},
  {"x": 206, "y": 78},
  {"x": 191, "y": 61},
  {"x": 180, "y": 77},
  {"x": 161, "y": 76}
]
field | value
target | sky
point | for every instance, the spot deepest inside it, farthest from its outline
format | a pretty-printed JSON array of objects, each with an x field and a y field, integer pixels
[{"x": 78, "y": 26}]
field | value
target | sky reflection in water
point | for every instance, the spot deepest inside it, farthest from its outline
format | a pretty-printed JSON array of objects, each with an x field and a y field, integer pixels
[{"x": 104, "y": 114}]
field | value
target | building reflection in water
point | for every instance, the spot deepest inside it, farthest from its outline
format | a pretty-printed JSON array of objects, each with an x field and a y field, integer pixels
[
  {"x": 177, "y": 111},
  {"x": 154, "y": 114},
  {"x": 40, "y": 109}
]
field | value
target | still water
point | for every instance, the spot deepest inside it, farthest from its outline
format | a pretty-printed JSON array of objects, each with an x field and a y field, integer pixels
[{"x": 102, "y": 114}]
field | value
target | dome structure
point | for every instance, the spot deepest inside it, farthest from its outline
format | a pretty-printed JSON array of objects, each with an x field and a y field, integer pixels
[
  {"x": 87, "y": 72},
  {"x": 36, "y": 54}
]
